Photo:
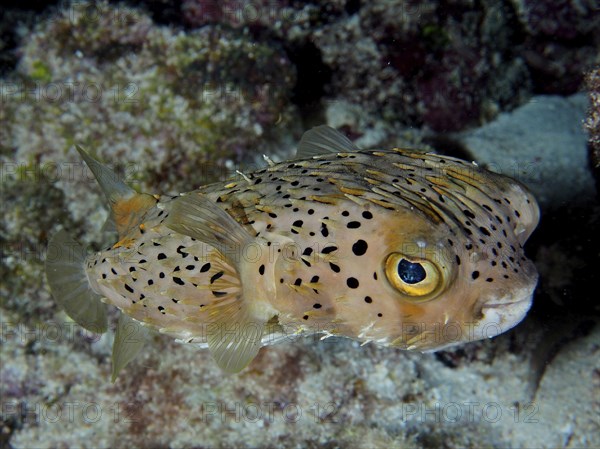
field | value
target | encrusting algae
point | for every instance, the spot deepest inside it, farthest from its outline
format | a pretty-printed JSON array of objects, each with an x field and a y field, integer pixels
[{"x": 395, "y": 247}]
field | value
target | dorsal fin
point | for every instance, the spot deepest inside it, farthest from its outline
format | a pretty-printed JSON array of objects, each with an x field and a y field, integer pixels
[
  {"x": 126, "y": 204},
  {"x": 322, "y": 140}
]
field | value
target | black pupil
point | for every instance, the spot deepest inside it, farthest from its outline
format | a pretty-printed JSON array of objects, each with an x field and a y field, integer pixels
[{"x": 411, "y": 273}]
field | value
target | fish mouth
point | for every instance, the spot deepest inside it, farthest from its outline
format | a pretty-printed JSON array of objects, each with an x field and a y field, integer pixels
[
  {"x": 506, "y": 304},
  {"x": 498, "y": 317}
]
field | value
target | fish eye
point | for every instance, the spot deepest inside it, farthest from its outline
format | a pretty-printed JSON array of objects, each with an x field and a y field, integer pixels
[
  {"x": 411, "y": 272},
  {"x": 418, "y": 278}
]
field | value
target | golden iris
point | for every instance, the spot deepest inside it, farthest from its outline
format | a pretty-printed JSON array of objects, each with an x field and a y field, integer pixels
[{"x": 414, "y": 277}]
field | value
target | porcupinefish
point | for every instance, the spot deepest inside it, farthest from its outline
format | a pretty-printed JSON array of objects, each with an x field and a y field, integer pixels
[{"x": 399, "y": 248}]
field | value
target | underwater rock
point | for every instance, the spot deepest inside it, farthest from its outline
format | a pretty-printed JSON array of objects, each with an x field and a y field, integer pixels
[
  {"x": 592, "y": 122},
  {"x": 420, "y": 63},
  {"x": 529, "y": 144},
  {"x": 106, "y": 77},
  {"x": 560, "y": 42}
]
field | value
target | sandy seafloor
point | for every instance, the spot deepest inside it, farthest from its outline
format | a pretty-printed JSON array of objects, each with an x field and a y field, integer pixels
[{"x": 508, "y": 93}]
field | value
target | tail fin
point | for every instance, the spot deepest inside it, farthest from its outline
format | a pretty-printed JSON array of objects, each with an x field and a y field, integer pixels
[
  {"x": 127, "y": 206},
  {"x": 69, "y": 284}
]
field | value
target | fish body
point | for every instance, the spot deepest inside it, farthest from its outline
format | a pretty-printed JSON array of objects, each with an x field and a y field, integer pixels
[{"x": 400, "y": 248}]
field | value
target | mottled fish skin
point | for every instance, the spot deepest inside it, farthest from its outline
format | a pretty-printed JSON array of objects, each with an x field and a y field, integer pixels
[{"x": 327, "y": 226}]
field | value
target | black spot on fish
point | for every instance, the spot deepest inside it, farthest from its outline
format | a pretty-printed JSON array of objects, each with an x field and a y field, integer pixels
[
  {"x": 161, "y": 309},
  {"x": 162, "y": 256},
  {"x": 216, "y": 276},
  {"x": 305, "y": 317},
  {"x": 178, "y": 281},
  {"x": 475, "y": 275},
  {"x": 175, "y": 300},
  {"x": 205, "y": 267},
  {"x": 310, "y": 211},
  {"x": 261, "y": 270},
  {"x": 314, "y": 279},
  {"x": 150, "y": 282},
  {"x": 218, "y": 294},
  {"x": 367, "y": 215},
  {"x": 317, "y": 306},
  {"x": 345, "y": 213},
  {"x": 113, "y": 271},
  {"x": 307, "y": 251},
  {"x": 329, "y": 249},
  {"x": 360, "y": 247},
  {"x": 352, "y": 282},
  {"x": 469, "y": 214},
  {"x": 298, "y": 282},
  {"x": 190, "y": 267},
  {"x": 489, "y": 280},
  {"x": 334, "y": 267},
  {"x": 324, "y": 230},
  {"x": 142, "y": 261},
  {"x": 484, "y": 231},
  {"x": 272, "y": 215},
  {"x": 368, "y": 299},
  {"x": 353, "y": 225},
  {"x": 457, "y": 260},
  {"x": 128, "y": 288},
  {"x": 161, "y": 275}
]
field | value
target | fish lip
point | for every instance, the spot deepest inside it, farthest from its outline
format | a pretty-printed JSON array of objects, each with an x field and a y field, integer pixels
[{"x": 505, "y": 304}]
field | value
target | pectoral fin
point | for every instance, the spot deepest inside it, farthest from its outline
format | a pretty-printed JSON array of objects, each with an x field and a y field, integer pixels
[
  {"x": 198, "y": 217},
  {"x": 130, "y": 338},
  {"x": 234, "y": 335},
  {"x": 235, "y": 323}
]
